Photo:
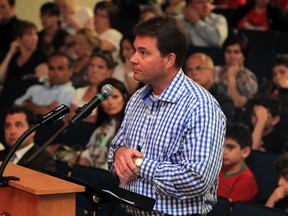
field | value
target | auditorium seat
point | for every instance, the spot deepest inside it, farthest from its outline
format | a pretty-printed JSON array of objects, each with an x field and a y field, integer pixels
[
  {"x": 252, "y": 209},
  {"x": 261, "y": 41},
  {"x": 262, "y": 165},
  {"x": 282, "y": 43},
  {"x": 222, "y": 207}
]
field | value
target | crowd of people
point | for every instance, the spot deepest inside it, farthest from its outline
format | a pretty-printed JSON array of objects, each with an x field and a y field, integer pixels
[{"x": 186, "y": 139}]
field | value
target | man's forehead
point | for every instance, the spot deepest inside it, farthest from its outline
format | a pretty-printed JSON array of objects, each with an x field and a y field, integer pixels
[{"x": 16, "y": 117}]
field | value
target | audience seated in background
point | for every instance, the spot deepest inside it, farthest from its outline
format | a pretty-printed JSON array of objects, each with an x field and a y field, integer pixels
[
  {"x": 265, "y": 117},
  {"x": 123, "y": 70},
  {"x": 278, "y": 198},
  {"x": 203, "y": 27},
  {"x": 200, "y": 68},
  {"x": 236, "y": 180},
  {"x": 7, "y": 21},
  {"x": 74, "y": 17},
  {"x": 57, "y": 90},
  {"x": 105, "y": 14},
  {"x": 51, "y": 37},
  {"x": 17, "y": 121},
  {"x": 234, "y": 78},
  {"x": 260, "y": 15},
  {"x": 23, "y": 65},
  {"x": 110, "y": 115},
  {"x": 86, "y": 40},
  {"x": 100, "y": 68}
]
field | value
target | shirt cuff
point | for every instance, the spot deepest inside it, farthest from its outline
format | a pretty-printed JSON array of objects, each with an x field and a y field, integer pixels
[{"x": 148, "y": 169}]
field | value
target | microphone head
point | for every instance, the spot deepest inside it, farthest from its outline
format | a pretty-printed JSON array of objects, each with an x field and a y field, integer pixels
[{"x": 107, "y": 90}]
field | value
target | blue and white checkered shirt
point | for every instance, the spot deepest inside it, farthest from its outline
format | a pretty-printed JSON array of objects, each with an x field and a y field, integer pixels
[{"x": 181, "y": 135}]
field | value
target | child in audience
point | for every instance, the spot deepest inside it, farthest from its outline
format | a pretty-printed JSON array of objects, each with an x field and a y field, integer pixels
[
  {"x": 278, "y": 198},
  {"x": 236, "y": 181},
  {"x": 265, "y": 117}
]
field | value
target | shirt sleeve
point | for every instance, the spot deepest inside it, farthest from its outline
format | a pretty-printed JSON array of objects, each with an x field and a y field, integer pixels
[
  {"x": 28, "y": 94},
  {"x": 214, "y": 32}
]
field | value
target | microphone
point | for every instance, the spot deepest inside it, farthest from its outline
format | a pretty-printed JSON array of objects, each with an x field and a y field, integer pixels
[
  {"x": 86, "y": 110},
  {"x": 54, "y": 115}
]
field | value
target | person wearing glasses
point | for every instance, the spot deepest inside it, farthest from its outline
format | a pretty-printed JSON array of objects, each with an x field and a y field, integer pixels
[
  {"x": 203, "y": 28},
  {"x": 200, "y": 68}
]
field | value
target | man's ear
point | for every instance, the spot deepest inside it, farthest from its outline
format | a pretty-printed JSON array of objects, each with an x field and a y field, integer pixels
[
  {"x": 246, "y": 151},
  {"x": 171, "y": 59},
  {"x": 275, "y": 120}
]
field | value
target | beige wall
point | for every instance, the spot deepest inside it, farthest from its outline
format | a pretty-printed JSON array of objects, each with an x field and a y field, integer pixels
[{"x": 29, "y": 9}]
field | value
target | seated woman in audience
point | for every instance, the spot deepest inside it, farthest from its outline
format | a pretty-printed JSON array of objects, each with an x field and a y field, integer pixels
[
  {"x": 51, "y": 37},
  {"x": 260, "y": 15},
  {"x": 234, "y": 78},
  {"x": 74, "y": 17},
  {"x": 110, "y": 115},
  {"x": 100, "y": 68},
  {"x": 105, "y": 14},
  {"x": 86, "y": 40},
  {"x": 23, "y": 65},
  {"x": 279, "y": 199},
  {"x": 123, "y": 71}
]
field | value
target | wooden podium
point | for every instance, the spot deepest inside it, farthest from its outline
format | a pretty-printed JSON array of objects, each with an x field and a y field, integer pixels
[{"x": 37, "y": 194}]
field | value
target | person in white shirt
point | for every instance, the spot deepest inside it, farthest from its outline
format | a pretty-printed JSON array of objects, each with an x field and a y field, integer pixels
[
  {"x": 59, "y": 90},
  {"x": 203, "y": 28},
  {"x": 74, "y": 17}
]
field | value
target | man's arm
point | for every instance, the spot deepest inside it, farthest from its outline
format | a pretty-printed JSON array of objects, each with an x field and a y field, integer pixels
[{"x": 213, "y": 33}]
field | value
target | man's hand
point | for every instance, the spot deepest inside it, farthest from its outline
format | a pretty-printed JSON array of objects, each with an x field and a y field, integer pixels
[{"x": 124, "y": 164}]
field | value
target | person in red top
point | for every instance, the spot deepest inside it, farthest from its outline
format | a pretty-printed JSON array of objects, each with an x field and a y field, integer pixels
[
  {"x": 236, "y": 180},
  {"x": 283, "y": 4},
  {"x": 261, "y": 15}
]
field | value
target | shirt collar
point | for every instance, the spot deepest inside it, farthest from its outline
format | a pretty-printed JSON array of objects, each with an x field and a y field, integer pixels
[
  {"x": 171, "y": 93},
  {"x": 19, "y": 153}
]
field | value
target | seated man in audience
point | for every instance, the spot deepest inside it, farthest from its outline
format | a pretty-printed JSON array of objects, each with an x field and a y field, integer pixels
[
  {"x": 200, "y": 68},
  {"x": 203, "y": 28},
  {"x": 17, "y": 121},
  {"x": 279, "y": 198},
  {"x": 265, "y": 117},
  {"x": 58, "y": 90},
  {"x": 236, "y": 180}
]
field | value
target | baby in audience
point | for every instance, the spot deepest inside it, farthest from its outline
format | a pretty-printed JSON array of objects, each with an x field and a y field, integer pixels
[{"x": 236, "y": 180}]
